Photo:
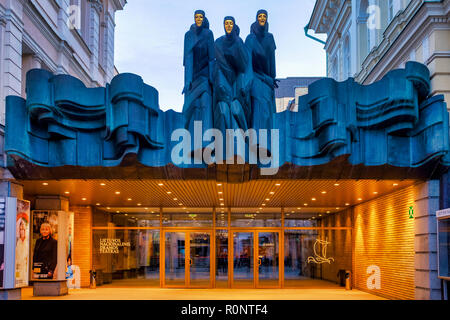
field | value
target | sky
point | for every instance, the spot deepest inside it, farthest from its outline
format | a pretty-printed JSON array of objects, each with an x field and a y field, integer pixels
[{"x": 150, "y": 35}]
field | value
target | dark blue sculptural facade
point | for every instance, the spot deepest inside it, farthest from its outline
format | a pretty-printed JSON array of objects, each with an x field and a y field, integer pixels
[
  {"x": 391, "y": 129},
  {"x": 232, "y": 81},
  {"x": 199, "y": 65},
  {"x": 262, "y": 49}
]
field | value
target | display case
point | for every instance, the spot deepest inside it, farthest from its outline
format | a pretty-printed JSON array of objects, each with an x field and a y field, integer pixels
[{"x": 443, "y": 236}]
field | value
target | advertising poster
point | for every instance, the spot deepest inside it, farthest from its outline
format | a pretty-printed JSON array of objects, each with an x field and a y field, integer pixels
[
  {"x": 45, "y": 244},
  {"x": 69, "y": 246},
  {"x": 22, "y": 243},
  {"x": 2, "y": 240}
]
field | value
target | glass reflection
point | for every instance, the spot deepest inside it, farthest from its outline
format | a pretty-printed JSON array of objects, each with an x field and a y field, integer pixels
[
  {"x": 191, "y": 217},
  {"x": 126, "y": 217},
  {"x": 254, "y": 217},
  {"x": 175, "y": 258},
  {"x": 148, "y": 256},
  {"x": 298, "y": 246},
  {"x": 268, "y": 259},
  {"x": 222, "y": 218},
  {"x": 294, "y": 219},
  {"x": 200, "y": 266},
  {"x": 126, "y": 257},
  {"x": 243, "y": 259},
  {"x": 311, "y": 255},
  {"x": 222, "y": 259},
  {"x": 443, "y": 246}
]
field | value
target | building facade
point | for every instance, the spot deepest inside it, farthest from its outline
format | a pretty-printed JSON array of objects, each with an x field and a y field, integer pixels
[
  {"x": 73, "y": 37},
  {"x": 368, "y": 38},
  {"x": 339, "y": 198},
  {"x": 350, "y": 187}
]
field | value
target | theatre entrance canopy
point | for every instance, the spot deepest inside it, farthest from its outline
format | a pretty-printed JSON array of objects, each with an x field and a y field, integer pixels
[{"x": 390, "y": 130}]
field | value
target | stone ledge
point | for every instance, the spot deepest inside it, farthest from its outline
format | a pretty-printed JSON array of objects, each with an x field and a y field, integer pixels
[
  {"x": 50, "y": 288},
  {"x": 425, "y": 234},
  {"x": 428, "y": 189},
  {"x": 11, "y": 294},
  {"x": 427, "y": 294},
  {"x": 424, "y": 261}
]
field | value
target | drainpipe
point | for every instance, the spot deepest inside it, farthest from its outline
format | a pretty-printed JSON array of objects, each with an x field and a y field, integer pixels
[{"x": 316, "y": 39}]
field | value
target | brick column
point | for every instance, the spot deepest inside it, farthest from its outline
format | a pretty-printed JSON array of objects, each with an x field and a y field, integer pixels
[
  {"x": 82, "y": 242},
  {"x": 425, "y": 241}
]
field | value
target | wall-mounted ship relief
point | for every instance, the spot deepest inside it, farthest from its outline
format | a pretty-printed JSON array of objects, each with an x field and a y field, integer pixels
[{"x": 320, "y": 252}]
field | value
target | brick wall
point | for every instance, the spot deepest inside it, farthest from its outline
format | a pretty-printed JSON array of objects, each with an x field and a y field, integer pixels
[
  {"x": 82, "y": 246},
  {"x": 384, "y": 237}
]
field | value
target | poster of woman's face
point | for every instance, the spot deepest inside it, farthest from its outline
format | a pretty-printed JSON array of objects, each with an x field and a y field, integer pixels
[
  {"x": 45, "y": 247},
  {"x": 22, "y": 242}
]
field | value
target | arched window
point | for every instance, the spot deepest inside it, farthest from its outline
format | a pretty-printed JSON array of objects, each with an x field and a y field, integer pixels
[
  {"x": 347, "y": 58},
  {"x": 334, "y": 67},
  {"x": 390, "y": 10},
  {"x": 363, "y": 31}
]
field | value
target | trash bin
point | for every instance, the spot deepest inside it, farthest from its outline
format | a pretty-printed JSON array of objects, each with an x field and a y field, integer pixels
[
  {"x": 341, "y": 276},
  {"x": 93, "y": 284},
  {"x": 348, "y": 280}
]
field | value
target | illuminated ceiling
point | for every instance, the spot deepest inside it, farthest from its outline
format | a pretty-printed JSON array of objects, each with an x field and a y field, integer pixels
[{"x": 310, "y": 195}]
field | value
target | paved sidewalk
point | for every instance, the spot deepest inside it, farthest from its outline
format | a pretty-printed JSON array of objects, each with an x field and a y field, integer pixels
[{"x": 108, "y": 293}]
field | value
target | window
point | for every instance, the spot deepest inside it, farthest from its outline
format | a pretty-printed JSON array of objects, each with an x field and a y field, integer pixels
[
  {"x": 391, "y": 10},
  {"x": 443, "y": 245},
  {"x": 412, "y": 55},
  {"x": 363, "y": 40},
  {"x": 425, "y": 50},
  {"x": 347, "y": 60},
  {"x": 333, "y": 67}
]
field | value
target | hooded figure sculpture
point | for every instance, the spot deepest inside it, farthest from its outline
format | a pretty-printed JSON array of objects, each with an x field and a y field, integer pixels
[
  {"x": 232, "y": 80},
  {"x": 199, "y": 64},
  {"x": 261, "y": 45}
]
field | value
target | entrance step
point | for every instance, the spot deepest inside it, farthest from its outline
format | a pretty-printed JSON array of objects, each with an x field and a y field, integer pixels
[
  {"x": 50, "y": 288},
  {"x": 11, "y": 294}
]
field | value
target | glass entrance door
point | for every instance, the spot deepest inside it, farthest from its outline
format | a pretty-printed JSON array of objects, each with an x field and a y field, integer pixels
[
  {"x": 243, "y": 275},
  {"x": 256, "y": 259},
  {"x": 268, "y": 260},
  {"x": 175, "y": 259},
  {"x": 200, "y": 259},
  {"x": 187, "y": 259}
]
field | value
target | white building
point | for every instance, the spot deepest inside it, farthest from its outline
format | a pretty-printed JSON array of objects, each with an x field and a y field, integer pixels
[
  {"x": 367, "y": 38},
  {"x": 289, "y": 90},
  {"x": 73, "y": 37}
]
